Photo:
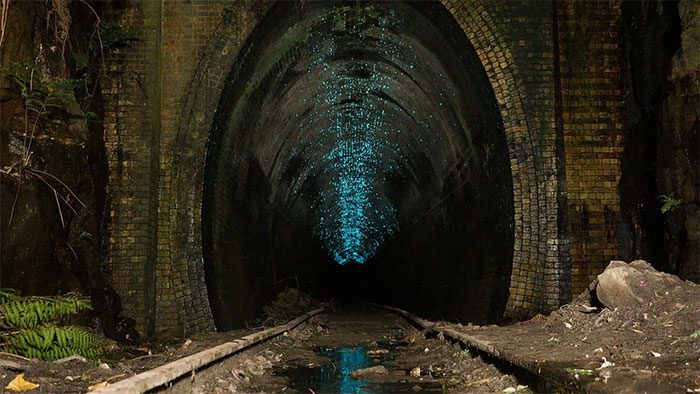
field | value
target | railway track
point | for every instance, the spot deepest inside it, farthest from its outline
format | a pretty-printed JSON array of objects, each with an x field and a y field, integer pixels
[
  {"x": 165, "y": 375},
  {"x": 542, "y": 379},
  {"x": 376, "y": 334}
]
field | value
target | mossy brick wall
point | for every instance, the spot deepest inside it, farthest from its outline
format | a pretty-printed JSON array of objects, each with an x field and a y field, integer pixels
[
  {"x": 181, "y": 296},
  {"x": 174, "y": 76},
  {"x": 155, "y": 77},
  {"x": 541, "y": 283},
  {"x": 131, "y": 125},
  {"x": 592, "y": 117}
]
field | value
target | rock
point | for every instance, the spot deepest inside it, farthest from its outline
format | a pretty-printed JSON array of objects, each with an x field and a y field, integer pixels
[
  {"x": 377, "y": 352},
  {"x": 110, "y": 345},
  {"x": 624, "y": 285},
  {"x": 376, "y": 370},
  {"x": 643, "y": 266},
  {"x": 74, "y": 357},
  {"x": 415, "y": 372},
  {"x": 186, "y": 345}
]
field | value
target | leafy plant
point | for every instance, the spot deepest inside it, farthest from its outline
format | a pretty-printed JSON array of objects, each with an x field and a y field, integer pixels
[
  {"x": 52, "y": 343},
  {"x": 31, "y": 312},
  {"x": 40, "y": 100},
  {"x": 112, "y": 35},
  {"x": 29, "y": 326},
  {"x": 42, "y": 97},
  {"x": 670, "y": 203}
]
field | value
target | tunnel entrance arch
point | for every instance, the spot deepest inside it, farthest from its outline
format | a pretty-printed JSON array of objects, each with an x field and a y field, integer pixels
[{"x": 528, "y": 290}]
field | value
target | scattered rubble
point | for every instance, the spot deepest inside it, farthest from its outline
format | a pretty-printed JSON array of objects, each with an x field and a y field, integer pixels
[
  {"x": 632, "y": 330},
  {"x": 288, "y": 304}
]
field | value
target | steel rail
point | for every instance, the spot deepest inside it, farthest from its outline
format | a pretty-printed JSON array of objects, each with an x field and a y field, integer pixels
[
  {"x": 551, "y": 379},
  {"x": 170, "y": 372}
]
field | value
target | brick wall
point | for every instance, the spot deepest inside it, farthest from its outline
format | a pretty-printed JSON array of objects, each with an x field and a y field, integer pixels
[
  {"x": 131, "y": 139},
  {"x": 514, "y": 42},
  {"x": 187, "y": 28},
  {"x": 527, "y": 28},
  {"x": 592, "y": 112},
  {"x": 561, "y": 119}
]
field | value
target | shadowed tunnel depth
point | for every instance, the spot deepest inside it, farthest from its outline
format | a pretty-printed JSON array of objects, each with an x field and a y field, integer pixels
[{"x": 358, "y": 153}]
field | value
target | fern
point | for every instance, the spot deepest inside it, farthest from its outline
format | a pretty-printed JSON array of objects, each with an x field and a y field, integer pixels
[
  {"x": 8, "y": 295},
  {"x": 28, "y": 326},
  {"x": 30, "y": 312},
  {"x": 52, "y": 343}
]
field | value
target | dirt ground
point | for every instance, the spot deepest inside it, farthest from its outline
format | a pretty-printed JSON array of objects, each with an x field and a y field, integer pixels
[
  {"x": 120, "y": 362},
  {"x": 360, "y": 351},
  {"x": 76, "y": 376},
  {"x": 653, "y": 347}
]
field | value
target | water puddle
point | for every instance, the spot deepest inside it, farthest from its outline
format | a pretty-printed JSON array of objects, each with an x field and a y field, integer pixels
[{"x": 336, "y": 375}]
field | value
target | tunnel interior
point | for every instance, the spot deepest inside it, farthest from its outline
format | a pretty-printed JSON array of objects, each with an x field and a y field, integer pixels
[{"x": 357, "y": 153}]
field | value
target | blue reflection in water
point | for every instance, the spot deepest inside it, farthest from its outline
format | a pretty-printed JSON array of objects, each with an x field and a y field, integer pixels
[
  {"x": 336, "y": 375},
  {"x": 346, "y": 361}
]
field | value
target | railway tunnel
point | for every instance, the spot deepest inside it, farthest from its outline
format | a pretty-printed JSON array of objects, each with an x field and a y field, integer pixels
[
  {"x": 357, "y": 152},
  {"x": 173, "y": 171}
]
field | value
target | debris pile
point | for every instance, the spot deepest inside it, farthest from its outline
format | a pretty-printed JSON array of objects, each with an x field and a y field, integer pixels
[{"x": 288, "y": 304}]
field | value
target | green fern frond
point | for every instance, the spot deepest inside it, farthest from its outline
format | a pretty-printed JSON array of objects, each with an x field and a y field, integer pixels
[
  {"x": 52, "y": 343},
  {"x": 28, "y": 326},
  {"x": 8, "y": 295},
  {"x": 30, "y": 312}
]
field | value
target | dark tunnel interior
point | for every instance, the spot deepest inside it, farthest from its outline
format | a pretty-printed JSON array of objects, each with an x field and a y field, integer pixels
[{"x": 358, "y": 153}]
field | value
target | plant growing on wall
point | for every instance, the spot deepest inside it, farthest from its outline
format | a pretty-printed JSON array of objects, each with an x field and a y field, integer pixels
[
  {"x": 32, "y": 326},
  {"x": 670, "y": 203},
  {"x": 41, "y": 100}
]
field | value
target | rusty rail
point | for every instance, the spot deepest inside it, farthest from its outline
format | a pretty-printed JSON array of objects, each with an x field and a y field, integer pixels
[
  {"x": 541, "y": 375},
  {"x": 170, "y": 372}
]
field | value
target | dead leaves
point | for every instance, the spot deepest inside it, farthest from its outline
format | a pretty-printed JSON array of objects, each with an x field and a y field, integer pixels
[{"x": 19, "y": 384}]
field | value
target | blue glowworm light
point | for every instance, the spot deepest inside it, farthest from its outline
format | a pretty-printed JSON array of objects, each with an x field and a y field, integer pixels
[{"x": 354, "y": 214}]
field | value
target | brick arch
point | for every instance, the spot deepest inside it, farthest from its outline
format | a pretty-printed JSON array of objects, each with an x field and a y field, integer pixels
[
  {"x": 188, "y": 156},
  {"x": 533, "y": 205},
  {"x": 184, "y": 181}
]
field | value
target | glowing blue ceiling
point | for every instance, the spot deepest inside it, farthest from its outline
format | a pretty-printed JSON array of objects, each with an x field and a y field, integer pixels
[
  {"x": 357, "y": 141},
  {"x": 344, "y": 101},
  {"x": 358, "y": 132}
]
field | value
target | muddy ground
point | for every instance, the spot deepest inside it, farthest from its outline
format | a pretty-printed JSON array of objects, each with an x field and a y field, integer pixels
[
  {"x": 361, "y": 350},
  {"x": 651, "y": 346},
  {"x": 78, "y": 375}
]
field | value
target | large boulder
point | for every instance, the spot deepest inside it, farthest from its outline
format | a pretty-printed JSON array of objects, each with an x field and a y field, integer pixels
[{"x": 624, "y": 285}]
